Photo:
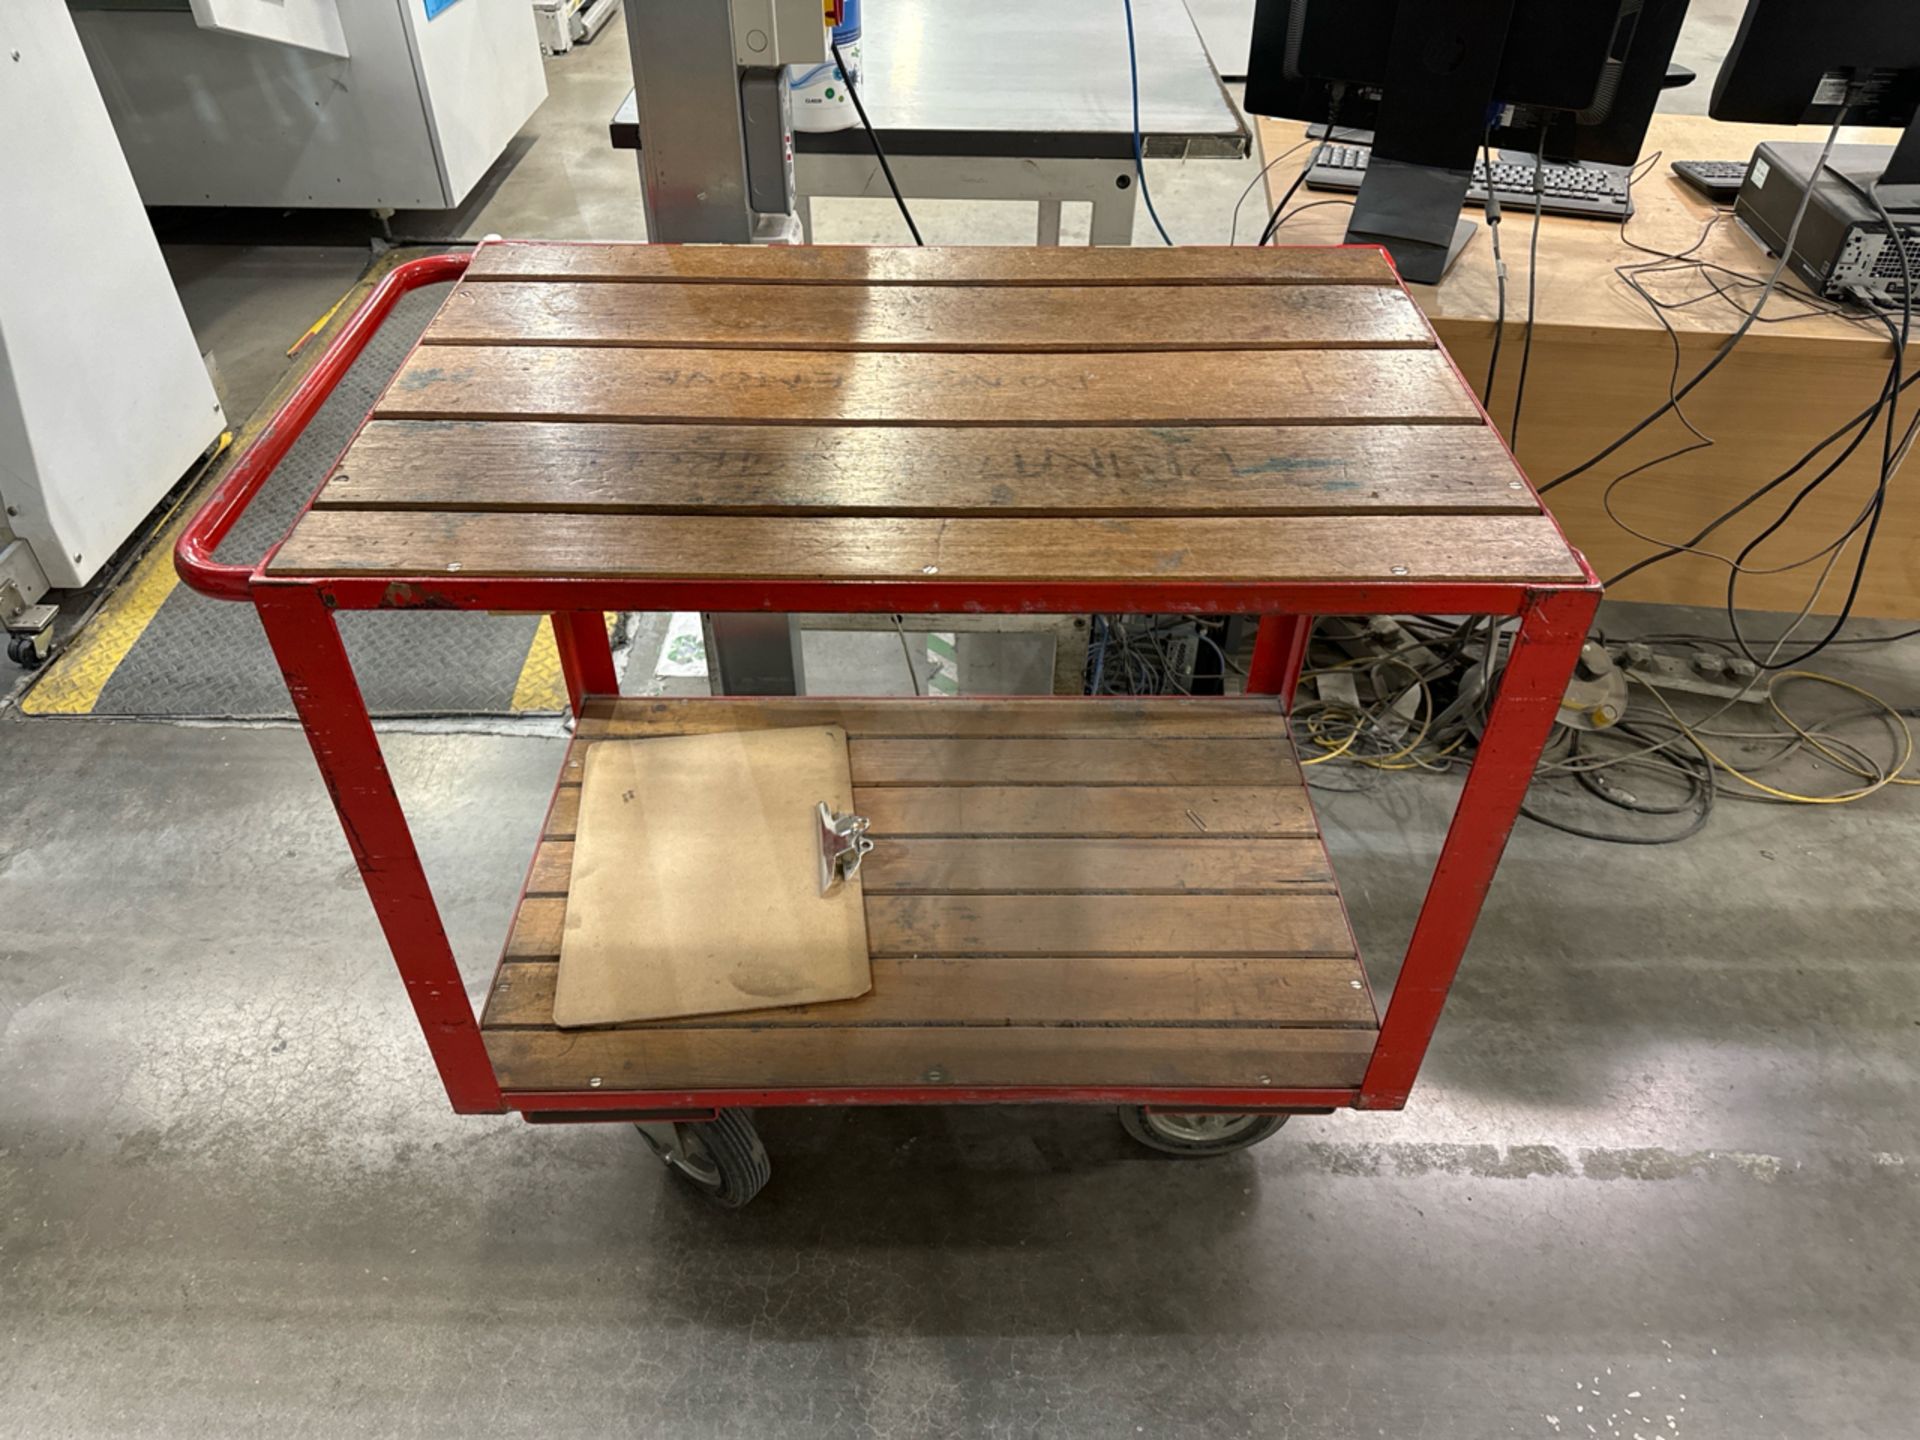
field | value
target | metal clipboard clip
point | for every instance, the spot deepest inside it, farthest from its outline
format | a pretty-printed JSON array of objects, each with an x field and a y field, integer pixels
[{"x": 843, "y": 845}]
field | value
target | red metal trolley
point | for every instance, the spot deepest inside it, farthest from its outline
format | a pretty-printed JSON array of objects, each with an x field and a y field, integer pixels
[{"x": 575, "y": 382}]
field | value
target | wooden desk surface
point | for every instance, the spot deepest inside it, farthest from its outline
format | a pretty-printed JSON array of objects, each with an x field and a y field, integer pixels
[
  {"x": 1577, "y": 287},
  {"x": 743, "y": 413},
  {"x": 1601, "y": 362}
]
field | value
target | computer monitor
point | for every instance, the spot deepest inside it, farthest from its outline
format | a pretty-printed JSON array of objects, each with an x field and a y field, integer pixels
[
  {"x": 1804, "y": 62},
  {"x": 1797, "y": 62},
  {"x": 1436, "y": 79}
]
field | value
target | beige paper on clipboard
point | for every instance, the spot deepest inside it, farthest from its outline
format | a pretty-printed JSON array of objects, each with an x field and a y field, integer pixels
[{"x": 696, "y": 885}]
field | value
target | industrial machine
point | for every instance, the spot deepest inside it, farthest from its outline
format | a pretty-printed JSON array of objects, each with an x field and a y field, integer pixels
[
  {"x": 1802, "y": 62},
  {"x": 717, "y": 161},
  {"x": 717, "y": 166},
  {"x": 104, "y": 400},
  {"x": 566, "y": 23},
  {"x": 357, "y": 104}
]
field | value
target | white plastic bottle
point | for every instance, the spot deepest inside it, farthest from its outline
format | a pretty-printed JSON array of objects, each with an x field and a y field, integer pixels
[{"x": 820, "y": 99}]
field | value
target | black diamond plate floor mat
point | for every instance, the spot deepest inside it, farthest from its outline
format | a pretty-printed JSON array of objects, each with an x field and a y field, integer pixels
[{"x": 158, "y": 650}]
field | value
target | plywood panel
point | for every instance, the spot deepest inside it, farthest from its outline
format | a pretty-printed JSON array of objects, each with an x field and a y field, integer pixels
[{"x": 694, "y": 885}]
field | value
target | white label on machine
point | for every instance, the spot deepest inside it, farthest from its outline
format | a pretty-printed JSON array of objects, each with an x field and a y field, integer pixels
[
  {"x": 1832, "y": 89},
  {"x": 1760, "y": 172}
]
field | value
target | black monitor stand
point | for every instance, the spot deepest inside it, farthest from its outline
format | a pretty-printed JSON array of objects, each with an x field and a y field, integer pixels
[
  {"x": 1900, "y": 181},
  {"x": 1442, "y": 65}
]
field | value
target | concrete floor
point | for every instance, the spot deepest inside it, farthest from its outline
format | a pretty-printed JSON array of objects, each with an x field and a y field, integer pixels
[{"x": 1661, "y": 1175}]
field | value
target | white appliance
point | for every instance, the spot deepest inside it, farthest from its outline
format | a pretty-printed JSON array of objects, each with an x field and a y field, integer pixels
[
  {"x": 356, "y": 104},
  {"x": 104, "y": 400},
  {"x": 564, "y": 24}
]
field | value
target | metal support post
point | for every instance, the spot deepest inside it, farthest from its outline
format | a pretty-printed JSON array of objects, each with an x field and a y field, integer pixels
[
  {"x": 693, "y": 146},
  {"x": 586, "y": 655},
  {"x": 1279, "y": 654},
  {"x": 754, "y": 654},
  {"x": 1553, "y": 626},
  {"x": 306, "y": 641}
]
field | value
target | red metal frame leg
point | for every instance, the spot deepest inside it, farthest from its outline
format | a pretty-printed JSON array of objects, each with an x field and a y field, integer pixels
[
  {"x": 1279, "y": 654},
  {"x": 306, "y": 642},
  {"x": 586, "y": 655},
  {"x": 1552, "y": 629}
]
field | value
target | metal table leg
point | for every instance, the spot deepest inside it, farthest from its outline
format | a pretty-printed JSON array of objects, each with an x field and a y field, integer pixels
[
  {"x": 319, "y": 676},
  {"x": 1049, "y": 231},
  {"x": 1552, "y": 629},
  {"x": 1113, "y": 209},
  {"x": 754, "y": 654}
]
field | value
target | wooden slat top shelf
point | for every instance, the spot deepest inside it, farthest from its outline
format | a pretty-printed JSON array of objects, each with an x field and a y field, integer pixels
[
  {"x": 1062, "y": 892},
  {"x": 932, "y": 265},
  {"x": 849, "y": 414}
]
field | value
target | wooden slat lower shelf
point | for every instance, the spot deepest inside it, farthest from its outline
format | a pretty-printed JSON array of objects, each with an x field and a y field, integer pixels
[
  {"x": 921, "y": 1055},
  {"x": 1000, "y": 992},
  {"x": 1040, "y": 911}
]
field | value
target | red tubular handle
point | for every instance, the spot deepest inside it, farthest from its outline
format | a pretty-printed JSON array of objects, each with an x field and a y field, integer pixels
[{"x": 193, "y": 554}]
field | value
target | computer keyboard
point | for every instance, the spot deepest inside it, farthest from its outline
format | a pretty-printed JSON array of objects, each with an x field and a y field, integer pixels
[
  {"x": 1718, "y": 180},
  {"x": 1583, "y": 190}
]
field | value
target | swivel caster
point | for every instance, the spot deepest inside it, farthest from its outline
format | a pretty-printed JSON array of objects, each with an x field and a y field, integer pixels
[
  {"x": 721, "y": 1158},
  {"x": 1197, "y": 1133},
  {"x": 29, "y": 652}
]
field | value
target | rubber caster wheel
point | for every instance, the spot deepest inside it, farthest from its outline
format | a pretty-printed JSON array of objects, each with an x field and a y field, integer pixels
[
  {"x": 721, "y": 1158},
  {"x": 24, "y": 652},
  {"x": 1196, "y": 1133}
]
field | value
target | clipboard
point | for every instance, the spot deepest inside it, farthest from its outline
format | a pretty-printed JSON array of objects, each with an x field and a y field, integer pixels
[{"x": 713, "y": 874}]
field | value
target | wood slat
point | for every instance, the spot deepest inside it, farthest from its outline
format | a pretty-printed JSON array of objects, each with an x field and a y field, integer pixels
[
  {"x": 633, "y": 718},
  {"x": 506, "y": 382},
  {"x": 1067, "y": 811},
  {"x": 1026, "y": 992},
  {"x": 1062, "y": 811},
  {"x": 1073, "y": 762},
  {"x": 726, "y": 1057},
  {"x": 537, "y": 926},
  {"x": 970, "y": 865},
  {"x": 921, "y": 317},
  {"x": 1057, "y": 925},
  {"x": 797, "y": 470},
  {"x": 1141, "y": 867},
  {"x": 1304, "y": 925},
  {"x": 1304, "y": 548},
  {"x": 932, "y": 265}
]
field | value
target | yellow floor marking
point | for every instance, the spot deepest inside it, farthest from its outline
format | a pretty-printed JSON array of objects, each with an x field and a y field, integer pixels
[
  {"x": 542, "y": 684},
  {"x": 80, "y": 673}
]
